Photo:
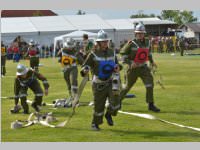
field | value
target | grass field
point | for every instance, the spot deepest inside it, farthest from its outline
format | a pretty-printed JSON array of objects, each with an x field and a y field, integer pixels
[{"x": 179, "y": 102}]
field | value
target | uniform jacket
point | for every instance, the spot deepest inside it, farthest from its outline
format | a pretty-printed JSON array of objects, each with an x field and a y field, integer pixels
[
  {"x": 25, "y": 82},
  {"x": 129, "y": 50},
  {"x": 94, "y": 58}
]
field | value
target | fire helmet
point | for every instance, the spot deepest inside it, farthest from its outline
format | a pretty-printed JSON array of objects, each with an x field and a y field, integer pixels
[
  {"x": 21, "y": 70},
  {"x": 140, "y": 28},
  {"x": 102, "y": 36}
]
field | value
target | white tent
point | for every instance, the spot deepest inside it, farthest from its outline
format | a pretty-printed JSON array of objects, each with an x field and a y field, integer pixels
[
  {"x": 123, "y": 30},
  {"x": 88, "y": 22},
  {"x": 77, "y": 35},
  {"x": 91, "y": 23},
  {"x": 12, "y": 27}
]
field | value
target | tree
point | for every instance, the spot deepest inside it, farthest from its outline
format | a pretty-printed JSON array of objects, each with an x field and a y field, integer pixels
[
  {"x": 178, "y": 16},
  {"x": 140, "y": 14},
  {"x": 80, "y": 12}
]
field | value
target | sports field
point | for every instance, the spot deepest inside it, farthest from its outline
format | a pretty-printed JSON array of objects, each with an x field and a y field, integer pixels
[{"x": 179, "y": 102}]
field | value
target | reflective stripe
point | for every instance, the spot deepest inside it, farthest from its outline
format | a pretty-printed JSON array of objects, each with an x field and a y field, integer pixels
[
  {"x": 135, "y": 43},
  {"x": 98, "y": 114},
  {"x": 34, "y": 56},
  {"x": 148, "y": 85},
  {"x": 103, "y": 58},
  {"x": 69, "y": 66},
  {"x": 22, "y": 95},
  {"x": 74, "y": 64},
  {"x": 64, "y": 54},
  {"x": 22, "y": 84},
  {"x": 97, "y": 80},
  {"x": 74, "y": 87},
  {"x": 16, "y": 96},
  {"x": 115, "y": 107},
  {"x": 39, "y": 94},
  {"x": 45, "y": 81}
]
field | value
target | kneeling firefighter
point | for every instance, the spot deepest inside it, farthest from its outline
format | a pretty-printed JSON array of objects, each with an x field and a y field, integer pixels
[
  {"x": 104, "y": 65},
  {"x": 27, "y": 78},
  {"x": 69, "y": 60}
]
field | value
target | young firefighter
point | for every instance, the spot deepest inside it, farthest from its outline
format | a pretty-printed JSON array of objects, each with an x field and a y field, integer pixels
[
  {"x": 3, "y": 60},
  {"x": 27, "y": 78},
  {"x": 87, "y": 46},
  {"x": 33, "y": 54},
  {"x": 69, "y": 60},
  {"x": 136, "y": 54},
  {"x": 103, "y": 63}
]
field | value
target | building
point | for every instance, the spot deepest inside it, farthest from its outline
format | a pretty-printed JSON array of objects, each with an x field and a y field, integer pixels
[
  {"x": 155, "y": 26},
  {"x": 191, "y": 30},
  {"x": 26, "y": 13}
]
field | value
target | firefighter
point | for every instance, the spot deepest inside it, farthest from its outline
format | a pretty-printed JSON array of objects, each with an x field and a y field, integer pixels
[
  {"x": 86, "y": 46},
  {"x": 70, "y": 57},
  {"x": 136, "y": 54},
  {"x": 3, "y": 59},
  {"x": 27, "y": 78},
  {"x": 33, "y": 53},
  {"x": 103, "y": 63}
]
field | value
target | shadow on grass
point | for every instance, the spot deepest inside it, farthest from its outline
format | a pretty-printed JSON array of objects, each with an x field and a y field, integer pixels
[{"x": 156, "y": 134}]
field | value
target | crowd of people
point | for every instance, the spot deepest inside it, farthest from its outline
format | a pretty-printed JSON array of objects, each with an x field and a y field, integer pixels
[
  {"x": 18, "y": 49},
  {"x": 169, "y": 44}
]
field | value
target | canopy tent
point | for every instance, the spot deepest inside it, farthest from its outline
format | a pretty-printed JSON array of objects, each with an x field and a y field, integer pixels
[{"x": 77, "y": 35}]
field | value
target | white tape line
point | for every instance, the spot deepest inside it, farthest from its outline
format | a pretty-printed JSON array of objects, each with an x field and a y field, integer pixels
[
  {"x": 147, "y": 116},
  {"x": 179, "y": 125},
  {"x": 151, "y": 117}
]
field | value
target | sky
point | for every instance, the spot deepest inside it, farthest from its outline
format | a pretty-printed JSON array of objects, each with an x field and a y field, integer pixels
[{"x": 114, "y": 13}]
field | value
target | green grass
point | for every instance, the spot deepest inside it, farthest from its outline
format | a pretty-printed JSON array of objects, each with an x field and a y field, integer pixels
[{"x": 179, "y": 103}]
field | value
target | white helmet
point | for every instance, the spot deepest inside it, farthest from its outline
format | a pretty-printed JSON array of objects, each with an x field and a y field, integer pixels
[
  {"x": 31, "y": 42},
  {"x": 69, "y": 43},
  {"x": 140, "y": 28},
  {"x": 21, "y": 70},
  {"x": 102, "y": 36}
]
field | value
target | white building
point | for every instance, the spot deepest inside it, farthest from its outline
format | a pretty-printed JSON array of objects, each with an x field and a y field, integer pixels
[{"x": 191, "y": 30}]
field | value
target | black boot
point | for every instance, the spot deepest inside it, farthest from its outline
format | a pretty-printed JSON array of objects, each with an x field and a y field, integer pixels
[
  {"x": 34, "y": 105},
  {"x": 152, "y": 107},
  {"x": 109, "y": 119},
  {"x": 95, "y": 127},
  {"x": 16, "y": 109},
  {"x": 26, "y": 112}
]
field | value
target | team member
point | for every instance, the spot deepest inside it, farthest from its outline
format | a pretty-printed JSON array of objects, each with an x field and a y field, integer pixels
[
  {"x": 3, "y": 60},
  {"x": 86, "y": 46},
  {"x": 103, "y": 63},
  {"x": 33, "y": 54},
  {"x": 27, "y": 78},
  {"x": 136, "y": 54},
  {"x": 69, "y": 60}
]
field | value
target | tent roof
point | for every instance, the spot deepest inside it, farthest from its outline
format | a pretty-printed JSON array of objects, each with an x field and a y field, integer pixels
[
  {"x": 79, "y": 33},
  {"x": 76, "y": 34},
  {"x": 120, "y": 24},
  {"x": 17, "y": 25},
  {"x": 52, "y": 23},
  {"x": 88, "y": 22},
  {"x": 151, "y": 21}
]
